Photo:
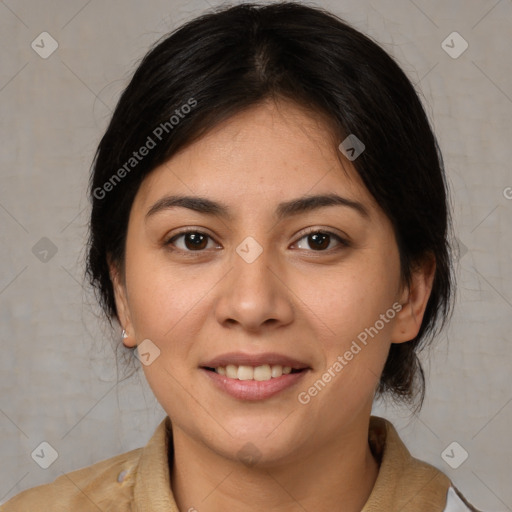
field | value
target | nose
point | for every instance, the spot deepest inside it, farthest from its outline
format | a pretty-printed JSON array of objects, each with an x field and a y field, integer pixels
[{"x": 254, "y": 296}]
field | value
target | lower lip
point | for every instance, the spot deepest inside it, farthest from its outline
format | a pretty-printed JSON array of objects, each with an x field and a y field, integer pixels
[{"x": 253, "y": 389}]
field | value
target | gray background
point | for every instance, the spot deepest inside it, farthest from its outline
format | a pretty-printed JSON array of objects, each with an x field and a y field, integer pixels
[{"x": 57, "y": 367}]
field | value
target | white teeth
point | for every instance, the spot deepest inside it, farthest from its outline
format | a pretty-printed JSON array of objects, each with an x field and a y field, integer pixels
[
  {"x": 277, "y": 370},
  {"x": 259, "y": 373},
  {"x": 245, "y": 372},
  {"x": 231, "y": 371},
  {"x": 262, "y": 372}
]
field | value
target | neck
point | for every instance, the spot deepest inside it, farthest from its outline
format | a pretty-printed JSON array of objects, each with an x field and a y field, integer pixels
[{"x": 341, "y": 471}]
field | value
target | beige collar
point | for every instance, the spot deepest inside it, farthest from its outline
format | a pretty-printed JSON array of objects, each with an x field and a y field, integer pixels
[{"x": 403, "y": 484}]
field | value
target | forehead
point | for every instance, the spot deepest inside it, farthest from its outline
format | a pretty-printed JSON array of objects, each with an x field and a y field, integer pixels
[{"x": 270, "y": 152}]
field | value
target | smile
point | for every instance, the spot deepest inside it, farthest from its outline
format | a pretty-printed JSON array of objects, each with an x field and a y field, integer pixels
[
  {"x": 251, "y": 388},
  {"x": 259, "y": 373}
]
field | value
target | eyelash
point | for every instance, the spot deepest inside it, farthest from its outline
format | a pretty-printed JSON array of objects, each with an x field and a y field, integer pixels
[
  {"x": 341, "y": 241},
  {"x": 311, "y": 231}
]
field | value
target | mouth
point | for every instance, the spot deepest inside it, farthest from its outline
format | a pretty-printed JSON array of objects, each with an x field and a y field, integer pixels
[
  {"x": 254, "y": 377},
  {"x": 260, "y": 373}
]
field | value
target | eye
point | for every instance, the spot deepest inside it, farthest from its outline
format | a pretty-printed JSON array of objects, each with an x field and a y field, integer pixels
[
  {"x": 320, "y": 241},
  {"x": 190, "y": 241}
]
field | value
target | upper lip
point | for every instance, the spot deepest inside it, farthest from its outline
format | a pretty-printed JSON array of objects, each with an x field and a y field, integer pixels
[{"x": 240, "y": 358}]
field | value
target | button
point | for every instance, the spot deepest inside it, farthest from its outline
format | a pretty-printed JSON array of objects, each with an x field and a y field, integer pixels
[{"x": 122, "y": 475}]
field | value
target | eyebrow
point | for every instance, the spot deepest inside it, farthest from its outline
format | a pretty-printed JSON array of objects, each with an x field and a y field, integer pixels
[{"x": 286, "y": 209}]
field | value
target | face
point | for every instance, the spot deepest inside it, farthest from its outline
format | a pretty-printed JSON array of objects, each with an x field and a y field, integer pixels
[{"x": 267, "y": 281}]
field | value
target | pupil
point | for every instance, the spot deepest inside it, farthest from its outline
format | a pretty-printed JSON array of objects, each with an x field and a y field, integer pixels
[
  {"x": 319, "y": 241},
  {"x": 195, "y": 241}
]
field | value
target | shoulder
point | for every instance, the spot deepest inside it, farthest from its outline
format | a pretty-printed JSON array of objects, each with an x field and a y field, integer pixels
[
  {"x": 405, "y": 483},
  {"x": 106, "y": 485}
]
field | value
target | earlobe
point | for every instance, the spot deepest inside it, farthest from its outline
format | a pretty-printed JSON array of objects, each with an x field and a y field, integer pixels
[
  {"x": 122, "y": 308},
  {"x": 414, "y": 301}
]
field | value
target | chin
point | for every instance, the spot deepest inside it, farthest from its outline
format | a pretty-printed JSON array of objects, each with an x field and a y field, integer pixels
[{"x": 261, "y": 443}]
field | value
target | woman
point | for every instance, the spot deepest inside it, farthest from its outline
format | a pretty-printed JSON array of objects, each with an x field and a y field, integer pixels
[{"x": 269, "y": 228}]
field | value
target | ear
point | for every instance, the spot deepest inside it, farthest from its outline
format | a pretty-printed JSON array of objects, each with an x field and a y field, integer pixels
[
  {"x": 123, "y": 310},
  {"x": 414, "y": 300}
]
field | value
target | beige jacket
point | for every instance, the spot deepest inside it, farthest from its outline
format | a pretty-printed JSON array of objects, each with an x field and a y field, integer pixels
[{"x": 138, "y": 481}]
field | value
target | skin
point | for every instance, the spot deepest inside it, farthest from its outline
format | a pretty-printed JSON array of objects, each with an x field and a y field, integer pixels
[{"x": 295, "y": 299}]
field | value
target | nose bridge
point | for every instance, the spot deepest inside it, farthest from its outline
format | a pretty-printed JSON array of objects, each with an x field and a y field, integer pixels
[
  {"x": 251, "y": 270},
  {"x": 254, "y": 295}
]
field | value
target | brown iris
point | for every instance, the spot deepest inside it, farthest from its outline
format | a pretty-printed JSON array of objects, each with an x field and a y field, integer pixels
[
  {"x": 319, "y": 241},
  {"x": 195, "y": 241}
]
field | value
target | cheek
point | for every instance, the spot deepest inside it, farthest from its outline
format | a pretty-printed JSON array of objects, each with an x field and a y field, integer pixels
[
  {"x": 349, "y": 299},
  {"x": 345, "y": 306},
  {"x": 167, "y": 305},
  {"x": 169, "y": 309}
]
